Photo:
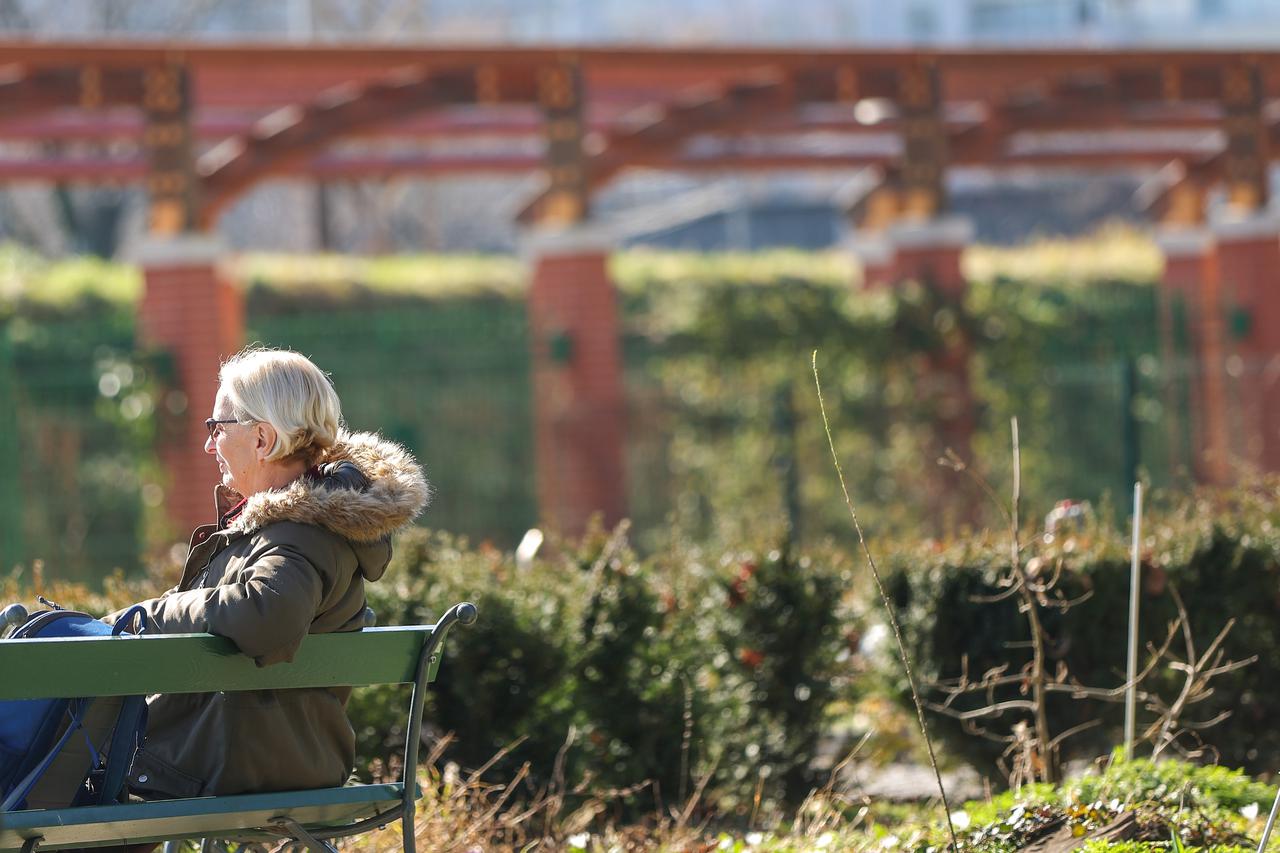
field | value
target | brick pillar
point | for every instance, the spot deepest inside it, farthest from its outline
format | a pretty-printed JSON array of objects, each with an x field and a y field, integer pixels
[
  {"x": 1191, "y": 279},
  {"x": 875, "y": 254},
  {"x": 1248, "y": 260},
  {"x": 189, "y": 310},
  {"x": 577, "y": 378},
  {"x": 1186, "y": 252},
  {"x": 929, "y": 252}
]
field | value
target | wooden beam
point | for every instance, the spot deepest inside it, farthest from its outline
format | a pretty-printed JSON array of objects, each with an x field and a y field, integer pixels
[
  {"x": 173, "y": 191},
  {"x": 272, "y": 55},
  {"x": 293, "y": 134},
  {"x": 1246, "y": 159},
  {"x": 924, "y": 142},
  {"x": 26, "y": 92},
  {"x": 561, "y": 96}
]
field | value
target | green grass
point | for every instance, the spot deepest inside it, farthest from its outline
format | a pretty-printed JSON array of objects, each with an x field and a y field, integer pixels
[{"x": 1178, "y": 807}]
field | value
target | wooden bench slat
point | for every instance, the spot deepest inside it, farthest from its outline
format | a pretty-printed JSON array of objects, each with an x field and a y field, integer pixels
[
  {"x": 208, "y": 816},
  {"x": 201, "y": 663}
]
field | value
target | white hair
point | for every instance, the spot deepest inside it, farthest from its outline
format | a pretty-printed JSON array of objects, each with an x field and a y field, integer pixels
[{"x": 286, "y": 390}]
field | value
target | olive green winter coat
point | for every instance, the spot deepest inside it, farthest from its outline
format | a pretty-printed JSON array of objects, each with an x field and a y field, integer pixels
[{"x": 291, "y": 562}]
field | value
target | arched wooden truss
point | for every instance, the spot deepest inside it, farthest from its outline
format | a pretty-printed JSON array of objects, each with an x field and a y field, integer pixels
[
  {"x": 293, "y": 134},
  {"x": 208, "y": 123}
]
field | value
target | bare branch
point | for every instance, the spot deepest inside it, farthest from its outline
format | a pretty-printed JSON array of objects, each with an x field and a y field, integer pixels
[
  {"x": 1208, "y": 723},
  {"x": 985, "y": 711},
  {"x": 1068, "y": 603},
  {"x": 1089, "y": 724},
  {"x": 1000, "y": 596}
]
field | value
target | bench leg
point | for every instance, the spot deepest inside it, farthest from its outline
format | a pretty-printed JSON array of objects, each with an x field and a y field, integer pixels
[{"x": 291, "y": 827}]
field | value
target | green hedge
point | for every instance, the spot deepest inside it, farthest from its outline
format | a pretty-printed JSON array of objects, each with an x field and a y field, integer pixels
[
  {"x": 80, "y": 400},
  {"x": 730, "y": 359},
  {"x": 664, "y": 669},
  {"x": 723, "y": 435},
  {"x": 1223, "y": 555},
  {"x": 690, "y": 664},
  {"x": 731, "y": 662},
  {"x": 447, "y": 378}
]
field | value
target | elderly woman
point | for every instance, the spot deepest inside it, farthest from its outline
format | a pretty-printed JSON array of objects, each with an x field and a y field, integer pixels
[{"x": 306, "y": 511}]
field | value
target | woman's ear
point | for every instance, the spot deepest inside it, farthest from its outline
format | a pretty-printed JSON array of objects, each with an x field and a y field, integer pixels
[{"x": 265, "y": 440}]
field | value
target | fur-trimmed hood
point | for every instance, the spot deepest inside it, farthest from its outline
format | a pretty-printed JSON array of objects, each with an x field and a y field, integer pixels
[{"x": 398, "y": 491}]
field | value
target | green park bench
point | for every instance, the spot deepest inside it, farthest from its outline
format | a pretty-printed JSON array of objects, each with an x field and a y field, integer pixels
[{"x": 202, "y": 663}]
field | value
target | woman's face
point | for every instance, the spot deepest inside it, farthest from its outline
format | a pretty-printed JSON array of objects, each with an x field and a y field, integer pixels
[{"x": 234, "y": 445}]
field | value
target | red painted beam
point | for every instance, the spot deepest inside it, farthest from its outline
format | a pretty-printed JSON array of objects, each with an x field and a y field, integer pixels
[
  {"x": 91, "y": 170},
  {"x": 214, "y": 126},
  {"x": 333, "y": 167},
  {"x": 107, "y": 170},
  {"x": 272, "y": 55}
]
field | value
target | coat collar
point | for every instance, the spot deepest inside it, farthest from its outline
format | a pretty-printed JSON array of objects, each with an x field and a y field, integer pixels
[{"x": 398, "y": 491}]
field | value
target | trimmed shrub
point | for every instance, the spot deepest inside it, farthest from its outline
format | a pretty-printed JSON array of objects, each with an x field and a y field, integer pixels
[
  {"x": 663, "y": 670},
  {"x": 724, "y": 442},
  {"x": 1223, "y": 554}
]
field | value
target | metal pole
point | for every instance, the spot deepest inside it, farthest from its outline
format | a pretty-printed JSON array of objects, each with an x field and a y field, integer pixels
[
  {"x": 1130, "y": 430},
  {"x": 1271, "y": 822},
  {"x": 784, "y": 428},
  {"x": 1131, "y": 673}
]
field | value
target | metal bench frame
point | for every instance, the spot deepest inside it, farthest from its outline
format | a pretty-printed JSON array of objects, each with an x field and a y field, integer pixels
[{"x": 203, "y": 663}]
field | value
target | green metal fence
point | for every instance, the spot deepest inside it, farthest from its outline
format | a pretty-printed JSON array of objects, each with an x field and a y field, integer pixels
[
  {"x": 448, "y": 379},
  {"x": 716, "y": 445},
  {"x": 1104, "y": 398},
  {"x": 70, "y": 494},
  {"x": 12, "y": 536}
]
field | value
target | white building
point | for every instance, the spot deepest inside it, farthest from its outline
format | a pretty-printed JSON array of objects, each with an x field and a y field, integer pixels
[{"x": 1068, "y": 22}]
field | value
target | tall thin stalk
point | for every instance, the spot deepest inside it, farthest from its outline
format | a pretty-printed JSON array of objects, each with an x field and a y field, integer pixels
[
  {"x": 888, "y": 606},
  {"x": 1038, "y": 679}
]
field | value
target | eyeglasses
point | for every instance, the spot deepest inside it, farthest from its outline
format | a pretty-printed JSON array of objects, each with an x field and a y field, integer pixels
[{"x": 213, "y": 423}]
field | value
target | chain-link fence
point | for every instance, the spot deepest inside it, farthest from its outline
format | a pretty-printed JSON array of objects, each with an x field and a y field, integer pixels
[
  {"x": 449, "y": 380},
  {"x": 723, "y": 434},
  {"x": 71, "y": 491}
]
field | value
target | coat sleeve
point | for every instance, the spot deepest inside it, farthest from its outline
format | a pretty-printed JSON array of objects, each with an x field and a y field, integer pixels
[
  {"x": 114, "y": 616},
  {"x": 266, "y": 611}
]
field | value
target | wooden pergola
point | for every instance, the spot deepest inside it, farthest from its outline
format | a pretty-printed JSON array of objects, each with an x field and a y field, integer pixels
[{"x": 201, "y": 123}]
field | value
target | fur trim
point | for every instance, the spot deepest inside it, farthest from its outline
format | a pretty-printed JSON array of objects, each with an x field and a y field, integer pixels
[{"x": 397, "y": 493}]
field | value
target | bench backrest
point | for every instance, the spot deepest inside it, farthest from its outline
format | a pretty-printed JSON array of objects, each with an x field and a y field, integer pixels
[{"x": 202, "y": 663}]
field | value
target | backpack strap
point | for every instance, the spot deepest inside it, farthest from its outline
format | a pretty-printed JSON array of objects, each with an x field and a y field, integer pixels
[
  {"x": 131, "y": 722},
  {"x": 78, "y": 708},
  {"x": 126, "y": 739},
  {"x": 135, "y": 617}
]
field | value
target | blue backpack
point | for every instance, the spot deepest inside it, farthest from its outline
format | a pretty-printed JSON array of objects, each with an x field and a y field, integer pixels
[{"x": 60, "y": 752}]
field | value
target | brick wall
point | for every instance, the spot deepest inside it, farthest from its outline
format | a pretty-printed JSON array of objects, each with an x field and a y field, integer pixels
[
  {"x": 190, "y": 311},
  {"x": 1248, "y": 267},
  {"x": 578, "y": 395}
]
